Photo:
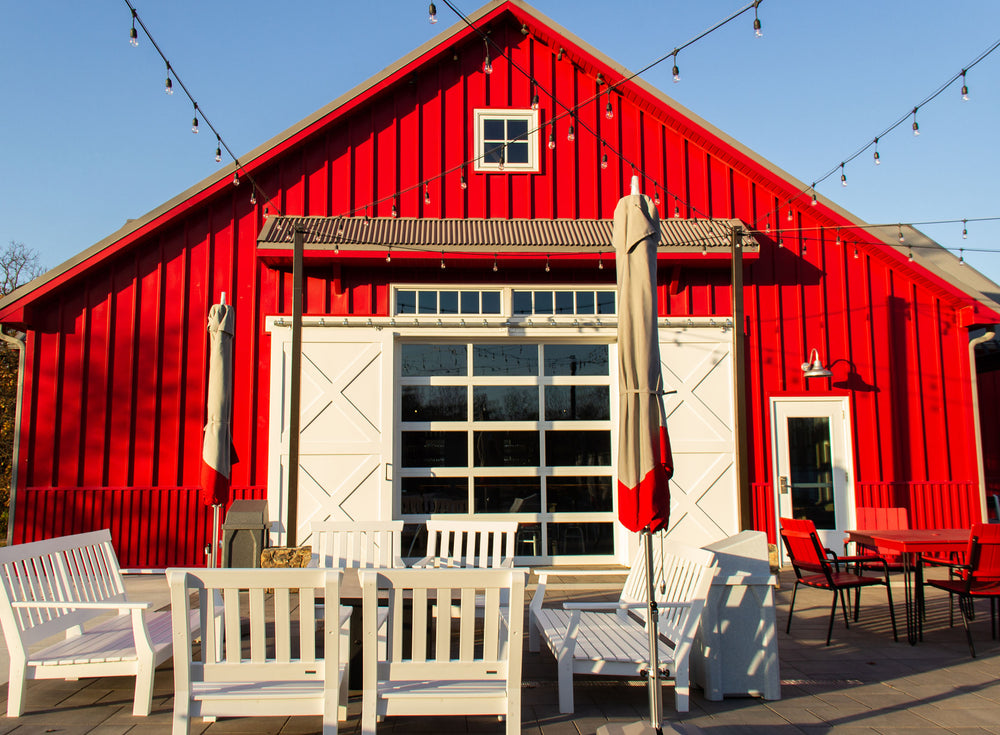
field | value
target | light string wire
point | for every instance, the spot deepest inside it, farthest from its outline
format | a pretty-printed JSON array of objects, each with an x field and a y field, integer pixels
[
  {"x": 172, "y": 72},
  {"x": 571, "y": 112},
  {"x": 910, "y": 113}
]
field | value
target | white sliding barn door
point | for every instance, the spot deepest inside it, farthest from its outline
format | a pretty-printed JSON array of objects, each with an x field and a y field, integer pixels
[
  {"x": 345, "y": 431},
  {"x": 697, "y": 363}
]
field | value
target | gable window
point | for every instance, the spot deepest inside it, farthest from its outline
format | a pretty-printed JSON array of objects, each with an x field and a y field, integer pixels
[{"x": 506, "y": 140}]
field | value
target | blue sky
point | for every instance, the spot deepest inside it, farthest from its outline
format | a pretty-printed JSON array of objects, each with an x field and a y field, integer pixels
[{"x": 89, "y": 139}]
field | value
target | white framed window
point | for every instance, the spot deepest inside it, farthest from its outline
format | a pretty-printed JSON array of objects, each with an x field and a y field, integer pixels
[
  {"x": 506, "y": 140},
  {"x": 507, "y": 301}
]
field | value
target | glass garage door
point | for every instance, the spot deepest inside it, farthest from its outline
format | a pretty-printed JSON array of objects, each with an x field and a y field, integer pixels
[{"x": 510, "y": 431}]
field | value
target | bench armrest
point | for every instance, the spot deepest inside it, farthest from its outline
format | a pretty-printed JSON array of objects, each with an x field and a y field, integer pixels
[
  {"x": 599, "y": 606},
  {"x": 79, "y": 605}
]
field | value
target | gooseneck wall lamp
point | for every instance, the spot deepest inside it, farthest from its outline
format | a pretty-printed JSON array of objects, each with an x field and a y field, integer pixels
[{"x": 813, "y": 368}]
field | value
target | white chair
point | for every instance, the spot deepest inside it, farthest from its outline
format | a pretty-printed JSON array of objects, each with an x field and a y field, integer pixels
[
  {"x": 420, "y": 663},
  {"x": 357, "y": 545},
  {"x": 610, "y": 639},
  {"x": 469, "y": 544},
  {"x": 245, "y": 668}
]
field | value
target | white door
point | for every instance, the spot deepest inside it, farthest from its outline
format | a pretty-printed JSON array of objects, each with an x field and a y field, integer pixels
[
  {"x": 812, "y": 464},
  {"x": 345, "y": 429},
  {"x": 697, "y": 365}
]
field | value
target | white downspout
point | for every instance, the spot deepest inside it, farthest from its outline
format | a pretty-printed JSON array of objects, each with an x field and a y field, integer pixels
[
  {"x": 19, "y": 345},
  {"x": 990, "y": 334}
]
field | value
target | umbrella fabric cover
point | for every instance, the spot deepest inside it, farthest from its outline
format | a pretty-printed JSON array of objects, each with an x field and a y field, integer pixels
[
  {"x": 216, "y": 451},
  {"x": 645, "y": 464}
]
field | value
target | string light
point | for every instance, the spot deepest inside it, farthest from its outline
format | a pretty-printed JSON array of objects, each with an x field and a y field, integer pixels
[
  {"x": 236, "y": 178},
  {"x": 767, "y": 223},
  {"x": 253, "y": 197},
  {"x": 677, "y": 209},
  {"x": 965, "y": 230},
  {"x": 704, "y": 250},
  {"x": 814, "y": 202},
  {"x": 961, "y": 256},
  {"x": 843, "y": 176},
  {"x": 656, "y": 195},
  {"x": 547, "y": 268},
  {"x": 218, "y": 149},
  {"x": 500, "y": 163},
  {"x": 790, "y": 216},
  {"x": 427, "y": 195},
  {"x": 133, "y": 35},
  {"x": 571, "y": 134},
  {"x": 909, "y": 254},
  {"x": 552, "y": 141},
  {"x": 965, "y": 87},
  {"x": 534, "y": 100},
  {"x": 804, "y": 245},
  {"x": 756, "y": 21},
  {"x": 600, "y": 260},
  {"x": 899, "y": 229},
  {"x": 487, "y": 66},
  {"x": 443, "y": 266},
  {"x": 395, "y": 212},
  {"x": 169, "y": 85},
  {"x": 781, "y": 243},
  {"x": 495, "y": 268},
  {"x": 388, "y": 250},
  {"x": 560, "y": 54},
  {"x": 604, "y": 161},
  {"x": 876, "y": 158},
  {"x": 609, "y": 112},
  {"x": 194, "y": 121},
  {"x": 432, "y": 14},
  {"x": 463, "y": 183},
  {"x": 855, "y": 253},
  {"x": 916, "y": 128},
  {"x": 676, "y": 70}
]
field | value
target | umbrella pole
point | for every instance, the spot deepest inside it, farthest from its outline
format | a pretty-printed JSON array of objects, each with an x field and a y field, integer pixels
[
  {"x": 655, "y": 690},
  {"x": 213, "y": 557}
]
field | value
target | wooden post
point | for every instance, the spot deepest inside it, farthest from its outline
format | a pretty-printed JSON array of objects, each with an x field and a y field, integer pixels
[
  {"x": 295, "y": 391},
  {"x": 741, "y": 455}
]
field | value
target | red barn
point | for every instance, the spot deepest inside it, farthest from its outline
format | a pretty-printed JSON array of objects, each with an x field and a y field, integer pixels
[{"x": 458, "y": 340}]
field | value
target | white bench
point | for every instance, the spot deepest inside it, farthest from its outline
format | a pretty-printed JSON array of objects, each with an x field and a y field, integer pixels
[
  {"x": 610, "y": 639},
  {"x": 72, "y": 586},
  {"x": 469, "y": 544},
  {"x": 357, "y": 544}
]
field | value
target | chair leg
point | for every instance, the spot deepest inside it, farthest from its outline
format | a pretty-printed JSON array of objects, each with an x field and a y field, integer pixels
[
  {"x": 965, "y": 606},
  {"x": 892, "y": 610},
  {"x": 833, "y": 614},
  {"x": 15, "y": 690},
  {"x": 788, "y": 628},
  {"x": 843, "y": 607}
]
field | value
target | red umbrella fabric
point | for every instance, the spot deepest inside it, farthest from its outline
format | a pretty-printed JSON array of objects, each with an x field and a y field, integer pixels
[
  {"x": 645, "y": 464},
  {"x": 216, "y": 453}
]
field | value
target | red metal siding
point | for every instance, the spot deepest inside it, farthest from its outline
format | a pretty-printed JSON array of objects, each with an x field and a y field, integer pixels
[{"x": 115, "y": 368}]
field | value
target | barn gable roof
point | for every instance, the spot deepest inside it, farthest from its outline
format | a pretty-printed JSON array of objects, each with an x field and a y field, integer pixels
[{"x": 942, "y": 269}]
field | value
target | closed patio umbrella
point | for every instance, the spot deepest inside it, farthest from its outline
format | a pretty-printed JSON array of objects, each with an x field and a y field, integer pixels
[
  {"x": 217, "y": 449},
  {"x": 644, "y": 460}
]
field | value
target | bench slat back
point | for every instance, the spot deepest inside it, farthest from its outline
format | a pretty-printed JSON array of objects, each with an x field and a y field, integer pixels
[
  {"x": 79, "y": 568},
  {"x": 277, "y": 641},
  {"x": 359, "y": 545},
  {"x": 471, "y": 543},
  {"x": 432, "y": 630}
]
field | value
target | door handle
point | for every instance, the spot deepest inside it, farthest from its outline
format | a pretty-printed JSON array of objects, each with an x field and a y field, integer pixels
[{"x": 783, "y": 485}]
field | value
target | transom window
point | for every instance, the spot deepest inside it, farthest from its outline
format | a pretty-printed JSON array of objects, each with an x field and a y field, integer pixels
[
  {"x": 520, "y": 431},
  {"x": 506, "y": 140},
  {"x": 568, "y": 302}
]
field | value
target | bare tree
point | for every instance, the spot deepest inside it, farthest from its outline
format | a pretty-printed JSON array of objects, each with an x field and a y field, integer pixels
[{"x": 18, "y": 265}]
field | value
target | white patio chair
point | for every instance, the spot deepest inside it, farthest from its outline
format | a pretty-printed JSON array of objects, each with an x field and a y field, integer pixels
[
  {"x": 469, "y": 544},
  {"x": 420, "y": 663},
  {"x": 246, "y": 668},
  {"x": 357, "y": 544}
]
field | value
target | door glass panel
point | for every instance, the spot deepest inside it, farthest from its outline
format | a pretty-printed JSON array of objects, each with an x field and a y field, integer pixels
[
  {"x": 505, "y": 403},
  {"x": 434, "y": 403},
  {"x": 434, "y": 449},
  {"x": 577, "y": 403},
  {"x": 811, "y": 469},
  {"x": 422, "y": 360},
  {"x": 576, "y": 360},
  {"x": 579, "y": 494},
  {"x": 576, "y": 539},
  {"x": 508, "y": 494},
  {"x": 504, "y": 360},
  {"x": 506, "y": 449},
  {"x": 434, "y": 495},
  {"x": 577, "y": 448}
]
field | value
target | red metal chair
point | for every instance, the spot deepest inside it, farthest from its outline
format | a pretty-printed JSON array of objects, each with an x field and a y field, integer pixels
[
  {"x": 882, "y": 519},
  {"x": 979, "y": 576},
  {"x": 818, "y": 567}
]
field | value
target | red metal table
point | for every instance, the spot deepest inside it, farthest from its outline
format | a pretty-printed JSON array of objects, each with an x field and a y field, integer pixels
[{"x": 913, "y": 543}]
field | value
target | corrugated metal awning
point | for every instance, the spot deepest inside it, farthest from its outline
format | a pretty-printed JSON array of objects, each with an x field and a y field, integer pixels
[{"x": 490, "y": 235}]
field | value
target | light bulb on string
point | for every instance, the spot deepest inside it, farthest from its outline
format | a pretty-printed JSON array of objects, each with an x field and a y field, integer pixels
[
  {"x": 855, "y": 253},
  {"x": 600, "y": 261},
  {"x": 704, "y": 249},
  {"x": 604, "y": 161},
  {"x": 677, "y": 209},
  {"x": 427, "y": 195},
  {"x": 487, "y": 65},
  {"x": 781, "y": 243},
  {"x": 656, "y": 195},
  {"x": 463, "y": 183},
  {"x": 843, "y": 176},
  {"x": 547, "y": 268},
  {"x": 236, "y": 178},
  {"x": 965, "y": 230},
  {"x": 552, "y": 141},
  {"x": 961, "y": 256},
  {"x": 432, "y": 14},
  {"x": 767, "y": 224},
  {"x": 443, "y": 266},
  {"x": 875, "y": 157},
  {"x": 676, "y": 70},
  {"x": 194, "y": 122},
  {"x": 388, "y": 252},
  {"x": 394, "y": 212},
  {"x": 838, "y": 238},
  {"x": 790, "y": 216},
  {"x": 253, "y": 197},
  {"x": 965, "y": 87},
  {"x": 909, "y": 254},
  {"x": 218, "y": 149},
  {"x": 915, "y": 126},
  {"x": 500, "y": 163},
  {"x": 571, "y": 134},
  {"x": 804, "y": 246},
  {"x": 133, "y": 35},
  {"x": 899, "y": 229},
  {"x": 756, "y": 22},
  {"x": 534, "y": 101},
  {"x": 560, "y": 54},
  {"x": 814, "y": 202},
  {"x": 495, "y": 267},
  {"x": 168, "y": 86},
  {"x": 609, "y": 111}
]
